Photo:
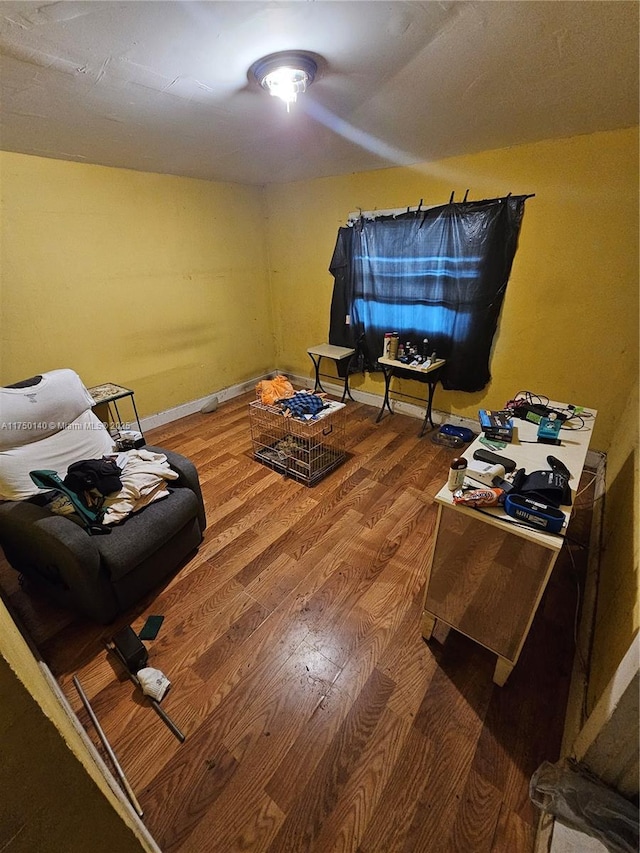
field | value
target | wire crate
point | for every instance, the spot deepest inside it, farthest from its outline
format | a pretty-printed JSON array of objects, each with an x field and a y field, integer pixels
[{"x": 304, "y": 450}]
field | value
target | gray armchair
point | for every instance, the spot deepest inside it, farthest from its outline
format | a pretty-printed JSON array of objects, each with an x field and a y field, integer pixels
[{"x": 99, "y": 576}]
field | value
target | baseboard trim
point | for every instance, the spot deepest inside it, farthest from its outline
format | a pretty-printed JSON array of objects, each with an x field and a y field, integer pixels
[
  {"x": 399, "y": 406},
  {"x": 139, "y": 828},
  {"x": 593, "y": 460},
  {"x": 161, "y": 418},
  {"x": 181, "y": 411}
]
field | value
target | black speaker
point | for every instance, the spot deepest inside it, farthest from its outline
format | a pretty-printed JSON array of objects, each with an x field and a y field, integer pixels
[{"x": 132, "y": 650}]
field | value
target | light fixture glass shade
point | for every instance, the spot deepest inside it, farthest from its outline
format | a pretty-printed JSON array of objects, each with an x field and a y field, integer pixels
[{"x": 285, "y": 75}]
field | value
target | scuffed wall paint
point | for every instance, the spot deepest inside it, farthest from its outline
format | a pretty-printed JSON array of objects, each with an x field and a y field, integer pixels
[{"x": 154, "y": 282}]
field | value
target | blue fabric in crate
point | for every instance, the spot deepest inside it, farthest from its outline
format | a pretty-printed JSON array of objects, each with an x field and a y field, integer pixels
[{"x": 302, "y": 403}]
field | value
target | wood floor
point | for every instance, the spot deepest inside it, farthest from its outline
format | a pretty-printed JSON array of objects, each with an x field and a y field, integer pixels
[{"x": 316, "y": 717}]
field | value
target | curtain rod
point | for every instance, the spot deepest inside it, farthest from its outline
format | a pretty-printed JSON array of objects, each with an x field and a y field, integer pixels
[
  {"x": 396, "y": 211},
  {"x": 374, "y": 214}
]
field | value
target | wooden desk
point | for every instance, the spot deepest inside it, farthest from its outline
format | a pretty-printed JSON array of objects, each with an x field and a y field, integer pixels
[
  {"x": 486, "y": 575},
  {"x": 337, "y": 354},
  {"x": 430, "y": 375}
]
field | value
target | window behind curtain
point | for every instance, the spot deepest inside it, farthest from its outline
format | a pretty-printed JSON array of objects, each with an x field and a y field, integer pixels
[{"x": 439, "y": 274}]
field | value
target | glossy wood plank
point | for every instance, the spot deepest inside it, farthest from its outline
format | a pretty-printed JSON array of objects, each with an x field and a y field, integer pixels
[{"x": 317, "y": 718}]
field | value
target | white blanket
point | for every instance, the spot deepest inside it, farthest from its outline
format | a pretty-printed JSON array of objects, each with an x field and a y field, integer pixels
[{"x": 144, "y": 475}]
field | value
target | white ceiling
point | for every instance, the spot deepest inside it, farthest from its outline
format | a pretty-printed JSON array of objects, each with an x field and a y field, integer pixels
[{"x": 163, "y": 86}]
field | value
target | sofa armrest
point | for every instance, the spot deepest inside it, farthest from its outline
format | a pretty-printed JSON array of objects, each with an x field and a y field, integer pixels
[
  {"x": 57, "y": 552},
  {"x": 188, "y": 477}
]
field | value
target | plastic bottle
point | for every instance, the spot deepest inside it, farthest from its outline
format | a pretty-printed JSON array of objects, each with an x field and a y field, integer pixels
[{"x": 457, "y": 471}]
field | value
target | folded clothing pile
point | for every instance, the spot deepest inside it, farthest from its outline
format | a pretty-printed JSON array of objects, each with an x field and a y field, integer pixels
[
  {"x": 107, "y": 490},
  {"x": 144, "y": 476},
  {"x": 302, "y": 403}
]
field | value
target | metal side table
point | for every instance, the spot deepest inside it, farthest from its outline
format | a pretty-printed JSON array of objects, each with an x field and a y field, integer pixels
[
  {"x": 338, "y": 354},
  {"x": 429, "y": 375},
  {"x": 109, "y": 393}
]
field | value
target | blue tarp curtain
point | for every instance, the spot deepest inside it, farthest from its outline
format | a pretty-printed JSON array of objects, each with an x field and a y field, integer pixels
[{"x": 439, "y": 273}]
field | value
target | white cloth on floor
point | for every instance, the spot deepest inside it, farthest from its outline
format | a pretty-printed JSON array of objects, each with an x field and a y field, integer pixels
[
  {"x": 144, "y": 479},
  {"x": 153, "y": 682}
]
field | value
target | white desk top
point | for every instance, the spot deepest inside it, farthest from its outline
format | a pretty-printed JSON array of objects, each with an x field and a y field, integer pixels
[
  {"x": 329, "y": 351},
  {"x": 393, "y": 362},
  {"x": 532, "y": 457}
]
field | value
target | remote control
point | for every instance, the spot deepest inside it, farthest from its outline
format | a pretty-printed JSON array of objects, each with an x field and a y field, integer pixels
[
  {"x": 494, "y": 459},
  {"x": 560, "y": 467}
]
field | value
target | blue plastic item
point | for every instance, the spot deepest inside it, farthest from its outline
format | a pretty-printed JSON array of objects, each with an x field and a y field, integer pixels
[
  {"x": 549, "y": 428},
  {"x": 460, "y": 432},
  {"x": 535, "y": 514}
]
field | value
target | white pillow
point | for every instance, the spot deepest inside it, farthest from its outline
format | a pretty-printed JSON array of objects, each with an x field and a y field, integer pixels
[
  {"x": 83, "y": 438},
  {"x": 36, "y": 411}
]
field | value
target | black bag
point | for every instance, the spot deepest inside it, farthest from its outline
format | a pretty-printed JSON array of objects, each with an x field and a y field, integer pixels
[
  {"x": 100, "y": 474},
  {"x": 549, "y": 487}
]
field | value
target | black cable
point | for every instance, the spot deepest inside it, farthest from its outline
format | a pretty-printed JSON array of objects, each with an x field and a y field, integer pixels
[
  {"x": 572, "y": 418},
  {"x": 532, "y": 399},
  {"x": 575, "y": 542}
]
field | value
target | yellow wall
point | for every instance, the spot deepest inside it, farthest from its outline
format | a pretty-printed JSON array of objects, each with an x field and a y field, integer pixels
[
  {"x": 569, "y": 325},
  {"x": 151, "y": 281},
  {"x": 618, "y": 608},
  {"x": 53, "y": 797}
]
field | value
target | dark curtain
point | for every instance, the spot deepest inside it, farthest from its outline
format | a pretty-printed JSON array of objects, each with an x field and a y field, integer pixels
[{"x": 439, "y": 274}]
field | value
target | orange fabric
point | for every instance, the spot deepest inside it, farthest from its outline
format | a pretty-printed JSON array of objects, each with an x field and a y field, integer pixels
[{"x": 274, "y": 389}]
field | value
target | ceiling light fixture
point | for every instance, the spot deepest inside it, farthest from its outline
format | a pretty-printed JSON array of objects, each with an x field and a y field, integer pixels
[{"x": 285, "y": 75}]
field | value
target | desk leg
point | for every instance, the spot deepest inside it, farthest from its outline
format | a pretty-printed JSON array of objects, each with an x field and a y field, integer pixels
[
  {"x": 427, "y": 624},
  {"x": 119, "y": 421},
  {"x": 347, "y": 392},
  {"x": 316, "y": 365},
  {"x": 135, "y": 410},
  {"x": 388, "y": 372},
  {"x": 427, "y": 415},
  {"x": 502, "y": 671}
]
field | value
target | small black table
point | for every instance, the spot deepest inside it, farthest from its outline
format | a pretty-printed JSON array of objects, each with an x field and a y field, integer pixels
[
  {"x": 107, "y": 394},
  {"x": 338, "y": 354},
  {"x": 430, "y": 375}
]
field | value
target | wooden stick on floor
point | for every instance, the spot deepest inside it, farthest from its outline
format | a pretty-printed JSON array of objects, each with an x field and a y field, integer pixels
[
  {"x": 111, "y": 647},
  {"x": 127, "y": 787}
]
